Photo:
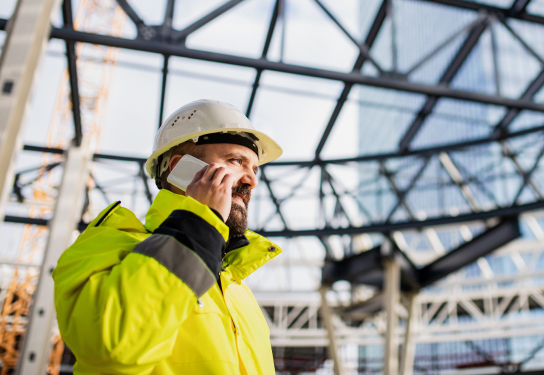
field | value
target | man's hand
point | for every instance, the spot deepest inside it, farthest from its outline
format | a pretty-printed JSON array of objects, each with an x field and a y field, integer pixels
[{"x": 212, "y": 186}]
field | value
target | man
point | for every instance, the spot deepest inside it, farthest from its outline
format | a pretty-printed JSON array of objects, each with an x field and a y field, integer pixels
[{"x": 167, "y": 297}]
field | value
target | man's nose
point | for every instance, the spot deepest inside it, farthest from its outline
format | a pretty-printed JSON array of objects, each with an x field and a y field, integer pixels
[{"x": 249, "y": 178}]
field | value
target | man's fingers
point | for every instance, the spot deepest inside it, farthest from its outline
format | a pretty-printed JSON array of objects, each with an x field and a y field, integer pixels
[
  {"x": 210, "y": 172},
  {"x": 218, "y": 176},
  {"x": 199, "y": 174},
  {"x": 228, "y": 180}
]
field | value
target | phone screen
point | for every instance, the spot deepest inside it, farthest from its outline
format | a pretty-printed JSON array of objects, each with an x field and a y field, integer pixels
[{"x": 184, "y": 171}]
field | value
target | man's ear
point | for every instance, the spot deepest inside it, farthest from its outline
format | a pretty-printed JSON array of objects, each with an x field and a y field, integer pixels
[{"x": 173, "y": 161}]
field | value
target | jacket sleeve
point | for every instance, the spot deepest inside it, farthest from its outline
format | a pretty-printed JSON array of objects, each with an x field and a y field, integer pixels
[{"x": 120, "y": 300}]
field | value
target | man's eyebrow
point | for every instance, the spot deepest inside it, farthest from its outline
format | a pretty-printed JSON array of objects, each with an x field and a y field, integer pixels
[{"x": 243, "y": 157}]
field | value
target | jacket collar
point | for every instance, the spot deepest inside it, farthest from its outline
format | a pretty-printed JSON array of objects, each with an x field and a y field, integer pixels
[{"x": 243, "y": 261}]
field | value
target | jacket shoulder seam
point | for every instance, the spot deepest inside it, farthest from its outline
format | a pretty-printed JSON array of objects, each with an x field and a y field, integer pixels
[{"x": 101, "y": 220}]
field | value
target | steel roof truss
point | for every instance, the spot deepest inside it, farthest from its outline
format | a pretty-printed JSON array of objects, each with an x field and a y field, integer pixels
[
  {"x": 455, "y": 64},
  {"x": 72, "y": 73},
  {"x": 369, "y": 41},
  {"x": 271, "y": 28}
]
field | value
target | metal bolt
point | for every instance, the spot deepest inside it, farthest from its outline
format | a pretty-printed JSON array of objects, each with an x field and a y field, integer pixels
[
  {"x": 7, "y": 87},
  {"x": 272, "y": 248}
]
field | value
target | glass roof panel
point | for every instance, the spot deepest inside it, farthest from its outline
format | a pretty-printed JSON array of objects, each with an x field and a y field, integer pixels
[
  {"x": 531, "y": 33},
  {"x": 354, "y": 15},
  {"x": 189, "y": 87},
  {"x": 310, "y": 32},
  {"x": 211, "y": 71},
  {"x": 477, "y": 74},
  {"x": 375, "y": 118},
  {"x": 434, "y": 68},
  {"x": 536, "y": 7},
  {"x": 130, "y": 125},
  {"x": 455, "y": 121},
  {"x": 186, "y": 12},
  {"x": 301, "y": 85},
  {"x": 151, "y": 12},
  {"x": 527, "y": 119},
  {"x": 517, "y": 66},
  {"x": 240, "y": 31},
  {"x": 436, "y": 24},
  {"x": 381, "y": 50},
  {"x": 296, "y": 122}
]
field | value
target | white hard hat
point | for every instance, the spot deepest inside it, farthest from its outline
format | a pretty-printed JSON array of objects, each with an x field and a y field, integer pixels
[{"x": 203, "y": 117}]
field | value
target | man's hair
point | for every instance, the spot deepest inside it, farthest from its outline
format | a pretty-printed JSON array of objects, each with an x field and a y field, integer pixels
[{"x": 185, "y": 148}]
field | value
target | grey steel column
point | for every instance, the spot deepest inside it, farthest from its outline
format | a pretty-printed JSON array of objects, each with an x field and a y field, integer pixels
[
  {"x": 407, "y": 360},
  {"x": 392, "y": 298},
  {"x": 37, "y": 341},
  {"x": 326, "y": 314},
  {"x": 27, "y": 35}
]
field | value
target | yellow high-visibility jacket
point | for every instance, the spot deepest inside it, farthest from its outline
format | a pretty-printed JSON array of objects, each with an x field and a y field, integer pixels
[{"x": 131, "y": 312}]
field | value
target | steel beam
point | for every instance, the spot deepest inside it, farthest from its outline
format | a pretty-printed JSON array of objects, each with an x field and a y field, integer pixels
[
  {"x": 144, "y": 31},
  {"x": 27, "y": 36},
  {"x": 374, "y": 228},
  {"x": 448, "y": 75},
  {"x": 145, "y": 181},
  {"x": 531, "y": 90},
  {"x": 363, "y": 48},
  {"x": 371, "y": 267},
  {"x": 326, "y": 314},
  {"x": 392, "y": 299},
  {"x": 476, "y": 6},
  {"x": 456, "y": 177},
  {"x": 367, "y": 268},
  {"x": 163, "y": 88},
  {"x": 166, "y": 27},
  {"x": 37, "y": 341},
  {"x": 401, "y": 196},
  {"x": 309, "y": 163},
  {"x": 391, "y": 227},
  {"x": 276, "y": 202},
  {"x": 428, "y": 151},
  {"x": 362, "y": 268},
  {"x": 409, "y": 347},
  {"x": 72, "y": 72},
  {"x": 527, "y": 175},
  {"x": 508, "y": 153},
  {"x": 266, "y": 47},
  {"x": 263, "y": 64},
  {"x": 518, "y": 7},
  {"x": 369, "y": 41},
  {"x": 183, "y": 34},
  {"x": 469, "y": 252}
]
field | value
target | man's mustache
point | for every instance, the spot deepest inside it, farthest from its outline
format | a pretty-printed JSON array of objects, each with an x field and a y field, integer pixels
[{"x": 243, "y": 192}]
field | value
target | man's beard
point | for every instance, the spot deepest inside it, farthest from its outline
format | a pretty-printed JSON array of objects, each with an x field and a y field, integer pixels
[{"x": 237, "y": 220}]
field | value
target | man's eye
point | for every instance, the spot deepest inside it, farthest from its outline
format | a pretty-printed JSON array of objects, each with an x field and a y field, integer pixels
[{"x": 239, "y": 161}]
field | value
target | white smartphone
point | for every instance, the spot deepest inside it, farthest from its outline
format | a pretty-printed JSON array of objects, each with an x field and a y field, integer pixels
[{"x": 184, "y": 171}]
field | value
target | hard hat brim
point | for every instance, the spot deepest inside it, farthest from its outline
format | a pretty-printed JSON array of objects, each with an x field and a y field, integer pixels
[{"x": 271, "y": 149}]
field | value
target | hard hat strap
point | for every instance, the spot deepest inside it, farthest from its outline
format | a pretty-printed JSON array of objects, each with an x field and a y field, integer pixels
[
  {"x": 243, "y": 139},
  {"x": 164, "y": 161}
]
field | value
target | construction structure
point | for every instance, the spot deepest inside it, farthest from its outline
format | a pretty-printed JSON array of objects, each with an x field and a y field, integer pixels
[{"x": 410, "y": 215}]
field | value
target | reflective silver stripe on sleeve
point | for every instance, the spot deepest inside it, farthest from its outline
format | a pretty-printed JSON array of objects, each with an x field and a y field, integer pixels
[{"x": 179, "y": 260}]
